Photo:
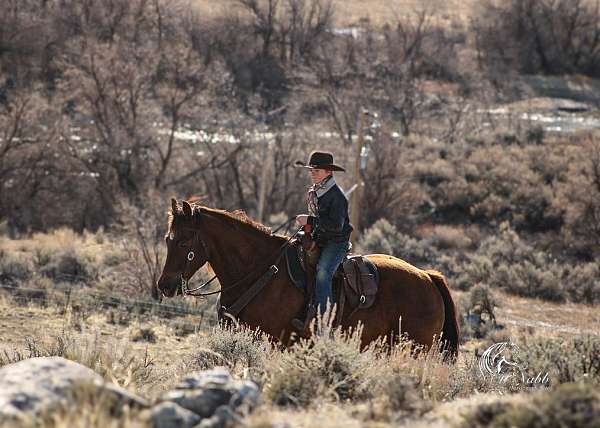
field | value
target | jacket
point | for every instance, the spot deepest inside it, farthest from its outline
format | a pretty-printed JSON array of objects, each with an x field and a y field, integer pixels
[{"x": 331, "y": 224}]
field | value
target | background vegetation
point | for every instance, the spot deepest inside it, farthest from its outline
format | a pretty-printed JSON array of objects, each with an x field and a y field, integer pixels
[{"x": 108, "y": 109}]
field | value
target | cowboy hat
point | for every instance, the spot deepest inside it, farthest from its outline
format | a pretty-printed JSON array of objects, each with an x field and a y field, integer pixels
[{"x": 320, "y": 160}]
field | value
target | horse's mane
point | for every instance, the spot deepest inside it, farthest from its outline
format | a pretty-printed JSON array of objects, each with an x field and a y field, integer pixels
[
  {"x": 235, "y": 218},
  {"x": 240, "y": 216}
]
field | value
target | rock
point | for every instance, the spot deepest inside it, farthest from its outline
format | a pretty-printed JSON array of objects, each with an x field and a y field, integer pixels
[
  {"x": 171, "y": 415},
  {"x": 35, "y": 386},
  {"x": 224, "y": 417},
  {"x": 214, "y": 377},
  {"x": 247, "y": 393},
  {"x": 203, "y": 402},
  {"x": 207, "y": 391}
]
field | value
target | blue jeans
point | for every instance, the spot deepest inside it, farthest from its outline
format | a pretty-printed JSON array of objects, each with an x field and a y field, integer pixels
[{"x": 332, "y": 254}]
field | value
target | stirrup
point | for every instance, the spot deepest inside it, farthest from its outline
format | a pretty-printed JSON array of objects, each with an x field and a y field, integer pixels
[{"x": 302, "y": 326}]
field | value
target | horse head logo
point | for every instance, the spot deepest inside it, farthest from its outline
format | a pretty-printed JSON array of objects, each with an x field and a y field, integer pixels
[{"x": 497, "y": 362}]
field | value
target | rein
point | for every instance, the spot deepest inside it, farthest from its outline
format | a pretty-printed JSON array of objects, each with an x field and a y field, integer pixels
[{"x": 190, "y": 256}]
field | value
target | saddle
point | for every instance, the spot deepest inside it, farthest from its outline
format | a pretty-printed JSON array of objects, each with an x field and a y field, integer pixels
[{"x": 355, "y": 282}]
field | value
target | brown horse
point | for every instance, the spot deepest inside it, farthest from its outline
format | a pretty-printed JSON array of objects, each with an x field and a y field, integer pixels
[{"x": 240, "y": 251}]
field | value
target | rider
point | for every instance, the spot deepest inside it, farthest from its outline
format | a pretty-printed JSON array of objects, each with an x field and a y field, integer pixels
[{"x": 328, "y": 220}]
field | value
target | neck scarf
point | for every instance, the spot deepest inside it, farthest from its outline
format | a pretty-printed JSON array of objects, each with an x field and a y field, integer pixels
[{"x": 316, "y": 191}]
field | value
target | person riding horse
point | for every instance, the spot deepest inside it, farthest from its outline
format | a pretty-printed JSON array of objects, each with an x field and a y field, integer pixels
[{"x": 327, "y": 224}]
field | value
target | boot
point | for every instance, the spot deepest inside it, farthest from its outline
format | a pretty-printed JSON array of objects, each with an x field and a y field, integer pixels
[
  {"x": 312, "y": 253},
  {"x": 302, "y": 325}
]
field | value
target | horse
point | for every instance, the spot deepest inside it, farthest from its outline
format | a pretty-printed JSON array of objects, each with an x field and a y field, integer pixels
[{"x": 410, "y": 301}]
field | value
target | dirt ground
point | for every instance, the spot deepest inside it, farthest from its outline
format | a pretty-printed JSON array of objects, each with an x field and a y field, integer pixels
[{"x": 174, "y": 339}]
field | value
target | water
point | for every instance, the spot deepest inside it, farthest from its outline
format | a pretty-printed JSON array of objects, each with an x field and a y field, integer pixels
[
  {"x": 552, "y": 122},
  {"x": 564, "y": 122}
]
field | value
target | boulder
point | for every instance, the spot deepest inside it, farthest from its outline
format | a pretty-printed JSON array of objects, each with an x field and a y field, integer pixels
[
  {"x": 203, "y": 402},
  {"x": 205, "y": 392},
  {"x": 36, "y": 386},
  {"x": 223, "y": 417},
  {"x": 171, "y": 415}
]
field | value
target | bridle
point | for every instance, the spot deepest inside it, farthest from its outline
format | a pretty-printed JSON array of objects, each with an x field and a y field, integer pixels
[{"x": 186, "y": 291}]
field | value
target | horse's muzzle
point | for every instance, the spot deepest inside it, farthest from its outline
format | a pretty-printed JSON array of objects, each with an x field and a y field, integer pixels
[{"x": 169, "y": 286}]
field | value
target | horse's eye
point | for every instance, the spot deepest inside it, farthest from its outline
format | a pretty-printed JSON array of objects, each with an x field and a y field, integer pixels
[{"x": 183, "y": 244}]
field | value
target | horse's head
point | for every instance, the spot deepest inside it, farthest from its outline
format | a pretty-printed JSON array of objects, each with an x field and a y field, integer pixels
[{"x": 186, "y": 251}]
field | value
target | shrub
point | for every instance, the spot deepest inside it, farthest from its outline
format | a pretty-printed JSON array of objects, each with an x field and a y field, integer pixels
[
  {"x": 569, "y": 405},
  {"x": 475, "y": 268},
  {"x": 237, "y": 347},
  {"x": 144, "y": 335},
  {"x": 41, "y": 257},
  {"x": 13, "y": 268},
  {"x": 506, "y": 261},
  {"x": 401, "y": 392},
  {"x": 113, "y": 257},
  {"x": 69, "y": 266},
  {"x": 477, "y": 317},
  {"x": 486, "y": 413},
  {"x": 451, "y": 237},
  {"x": 536, "y": 134},
  {"x": 583, "y": 282},
  {"x": 493, "y": 183},
  {"x": 384, "y": 238},
  {"x": 328, "y": 366},
  {"x": 579, "y": 200},
  {"x": 566, "y": 360},
  {"x": 465, "y": 379}
]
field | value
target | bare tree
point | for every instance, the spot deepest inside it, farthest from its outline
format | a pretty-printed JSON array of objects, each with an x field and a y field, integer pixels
[
  {"x": 28, "y": 126},
  {"x": 415, "y": 49},
  {"x": 390, "y": 191},
  {"x": 533, "y": 36}
]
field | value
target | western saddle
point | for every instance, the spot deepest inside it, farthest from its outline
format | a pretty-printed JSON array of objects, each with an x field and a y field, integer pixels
[{"x": 354, "y": 284}]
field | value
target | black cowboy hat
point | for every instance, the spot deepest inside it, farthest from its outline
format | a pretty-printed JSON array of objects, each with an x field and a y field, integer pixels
[{"x": 320, "y": 160}]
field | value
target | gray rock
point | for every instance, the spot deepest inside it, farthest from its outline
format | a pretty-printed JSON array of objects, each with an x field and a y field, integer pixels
[
  {"x": 35, "y": 386},
  {"x": 224, "y": 417},
  {"x": 246, "y": 393},
  {"x": 205, "y": 392},
  {"x": 204, "y": 402},
  {"x": 218, "y": 376},
  {"x": 171, "y": 415}
]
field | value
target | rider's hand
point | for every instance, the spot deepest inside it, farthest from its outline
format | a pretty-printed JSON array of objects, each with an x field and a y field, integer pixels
[{"x": 302, "y": 219}]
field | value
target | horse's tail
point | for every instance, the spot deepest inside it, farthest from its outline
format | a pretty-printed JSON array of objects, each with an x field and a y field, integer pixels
[{"x": 451, "y": 330}]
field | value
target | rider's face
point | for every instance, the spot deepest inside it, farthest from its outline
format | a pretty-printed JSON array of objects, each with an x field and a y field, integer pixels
[{"x": 317, "y": 175}]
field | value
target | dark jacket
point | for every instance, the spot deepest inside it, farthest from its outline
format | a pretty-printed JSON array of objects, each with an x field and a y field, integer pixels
[{"x": 331, "y": 223}]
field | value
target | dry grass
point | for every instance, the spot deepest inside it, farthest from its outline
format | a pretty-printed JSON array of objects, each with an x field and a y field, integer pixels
[
  {"x": 64, "y": 239},
  {"x": 95, "y": 333},
  {"x": 388, "y": 389}
]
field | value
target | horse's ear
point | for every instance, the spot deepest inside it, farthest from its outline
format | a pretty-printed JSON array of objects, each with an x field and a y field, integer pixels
[
  {"x": 187, "y": 209},
  {"x": 174, "y": 205}
]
